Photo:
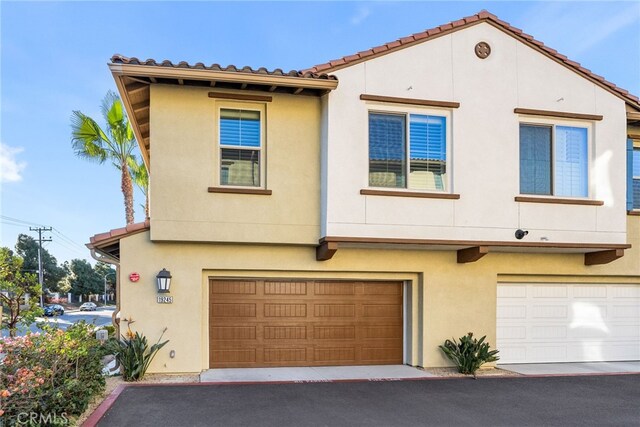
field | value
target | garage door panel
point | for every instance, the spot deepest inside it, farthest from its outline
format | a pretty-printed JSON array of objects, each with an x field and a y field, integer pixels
[
  {"x": 334, "y": 310},
  {"x": 335, "y": 355},
  {"x": 233, "y": 310},
  {"x": 334, "y": 288},
  {"x": 590, "y": 323},
  {"x": 285, "y": 288},
  {"x": 305, "y": 323},
  {"x": 381, "y": 354},
  {"x": 233, "y": 288},
  {"x": 280, "y": 355},
  {"x": 334, "y": 332},
  {"x": 223, "y": 333}
]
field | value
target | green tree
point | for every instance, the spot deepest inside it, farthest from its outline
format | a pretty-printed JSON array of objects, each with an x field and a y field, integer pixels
[
  {"x": 83, "y": 279},
  {"x": 141, "y": 179},
  {"x": 27, "y": 249},
  {"x": 115, "y": 143},
  {"x": 105, "y": 271},
  {"x": 19, "y": 292}
]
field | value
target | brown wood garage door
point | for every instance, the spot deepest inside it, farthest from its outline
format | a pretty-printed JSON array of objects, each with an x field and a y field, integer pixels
[{"x": 304, "y": 323}]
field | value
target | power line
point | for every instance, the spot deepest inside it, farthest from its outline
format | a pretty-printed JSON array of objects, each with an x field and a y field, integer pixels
[
  {"x": 67, "y": 239},
  {"x": 20, "y": 221},
  {"x": 14, "y": 224},
  {"x": 69, "y": 248}
]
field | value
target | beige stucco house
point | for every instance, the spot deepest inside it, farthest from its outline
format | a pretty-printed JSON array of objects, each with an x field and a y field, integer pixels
[{"x": 467, "y": 178}]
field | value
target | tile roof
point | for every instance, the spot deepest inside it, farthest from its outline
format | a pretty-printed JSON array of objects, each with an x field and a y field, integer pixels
[
  {"x": 482, "y": 16},
  {"x": 117, "y": 234},
  {"x": 306, "y": 74}
]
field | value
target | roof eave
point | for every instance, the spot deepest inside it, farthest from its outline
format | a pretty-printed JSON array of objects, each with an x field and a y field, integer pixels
[
  {"x": 124, "y": 96},
  {"x": 480, "y": 18},
  {"x": 118, "y": 69}
]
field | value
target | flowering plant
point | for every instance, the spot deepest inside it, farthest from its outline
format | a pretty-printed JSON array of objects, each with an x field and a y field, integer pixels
[{"x": 54, "y": 371}]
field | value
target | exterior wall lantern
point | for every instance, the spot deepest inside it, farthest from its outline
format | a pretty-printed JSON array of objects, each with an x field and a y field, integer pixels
[{"x": 164, "y": 281}]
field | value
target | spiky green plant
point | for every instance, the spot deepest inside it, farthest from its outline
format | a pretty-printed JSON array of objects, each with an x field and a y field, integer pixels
[
  {"x": 469, "y": 354},
  {"x": 134, "y": 354}
]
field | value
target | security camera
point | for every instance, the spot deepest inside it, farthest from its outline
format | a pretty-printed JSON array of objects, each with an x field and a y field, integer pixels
[{"x": 521, "y": 233}]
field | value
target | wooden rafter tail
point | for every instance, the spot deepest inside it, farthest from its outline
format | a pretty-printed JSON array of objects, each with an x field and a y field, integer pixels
[
  {"x": 472, "y": 254},
  {"x": 326, "y": 251},
  {"x": 603, "y": 257}
]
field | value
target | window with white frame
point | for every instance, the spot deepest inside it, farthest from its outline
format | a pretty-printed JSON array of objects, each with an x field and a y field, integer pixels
[
  {"x": 241, "y": 146},
  {"x": 408, "y": 151},
  {"x": 554, "y": 160}
]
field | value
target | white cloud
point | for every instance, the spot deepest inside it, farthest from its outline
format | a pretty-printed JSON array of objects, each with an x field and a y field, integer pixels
[
  {"x": 361, "y": 14},
  {"x": 609, "y": 26},
  {"x": 562, "y": 24},
  {"x": 10, "y": 168}
]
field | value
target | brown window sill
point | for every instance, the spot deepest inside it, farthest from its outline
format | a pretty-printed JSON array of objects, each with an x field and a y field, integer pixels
[
  {"x": 258, "y": 191},
  {"x": 369, "y": 192},
  {"x": 558, "y": 200},
  {"x": 633, "y": 213}
]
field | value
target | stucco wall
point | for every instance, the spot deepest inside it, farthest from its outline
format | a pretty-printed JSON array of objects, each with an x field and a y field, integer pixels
[
  {"x": 456, "y": 298},
  {"x": 484, "y": 144},
  {"x": 185, "y": 159}
]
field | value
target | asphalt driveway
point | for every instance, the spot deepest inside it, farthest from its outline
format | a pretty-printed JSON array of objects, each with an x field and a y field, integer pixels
[{"x": 518, "y": 401}]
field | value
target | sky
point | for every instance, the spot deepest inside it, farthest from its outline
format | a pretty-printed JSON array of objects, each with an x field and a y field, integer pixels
[{"x": 54, "y": 59}]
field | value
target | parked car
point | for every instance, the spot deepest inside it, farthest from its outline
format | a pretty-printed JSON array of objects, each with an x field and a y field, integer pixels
[
  {"x": 88, "y": 306},
  {"x": 54, "y": 310}
]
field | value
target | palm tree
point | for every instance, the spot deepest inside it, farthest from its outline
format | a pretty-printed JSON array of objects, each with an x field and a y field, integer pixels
[
  {"x": 116, "y": 143},
  {"x": 141, "y": 179}
]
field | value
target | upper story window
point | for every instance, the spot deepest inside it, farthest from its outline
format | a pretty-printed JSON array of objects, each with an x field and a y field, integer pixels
[
  {"x": 408, "y": 151},
  {"x": 635, "y": 177},
  {"x": 241, "y": 147},
  {"x": 554, "y": 160}
]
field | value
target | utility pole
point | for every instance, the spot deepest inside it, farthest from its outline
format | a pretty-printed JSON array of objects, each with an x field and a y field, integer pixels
[{"x": 40, "y": 272}]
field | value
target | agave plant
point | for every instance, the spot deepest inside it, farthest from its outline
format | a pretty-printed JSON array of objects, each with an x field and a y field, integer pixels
[
  {"x": 134, "y": 354},
  {"x": 469, "y": 354}
]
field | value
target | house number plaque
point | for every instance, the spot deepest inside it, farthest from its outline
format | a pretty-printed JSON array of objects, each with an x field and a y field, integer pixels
[{"x": 162, "y": 299}]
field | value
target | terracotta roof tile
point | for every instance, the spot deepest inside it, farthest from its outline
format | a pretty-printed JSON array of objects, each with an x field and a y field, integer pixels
[
  {"x": 483, "y": 15},
  {"x": 117, "y": 234},
  {"x": 308, "y": 74}
]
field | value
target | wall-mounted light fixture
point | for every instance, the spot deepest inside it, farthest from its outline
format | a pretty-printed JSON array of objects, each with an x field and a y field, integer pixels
[{"x": 164, "y": 281}]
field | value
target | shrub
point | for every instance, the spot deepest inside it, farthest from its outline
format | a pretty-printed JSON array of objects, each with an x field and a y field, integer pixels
[
  {"x": 134, "y": 354},
  {"x": 469, "y": 354},
  {"x": 54, "y": 373}
]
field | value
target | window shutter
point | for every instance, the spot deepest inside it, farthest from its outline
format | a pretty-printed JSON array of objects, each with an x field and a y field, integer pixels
[
  {"x": 630, "y": 167},
  {"x": 240, "y": 128},
  {"x": 387, "y": 155},
  {"x": 535, "y": 159},
  {"x": 428, "y": 137},
  {"x": 571, "y": 170}
]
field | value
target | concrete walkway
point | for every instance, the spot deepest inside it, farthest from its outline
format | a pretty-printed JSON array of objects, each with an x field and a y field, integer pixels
[
  {"x": 574, "y": 368},
  {"x": 322, "y": 373}
]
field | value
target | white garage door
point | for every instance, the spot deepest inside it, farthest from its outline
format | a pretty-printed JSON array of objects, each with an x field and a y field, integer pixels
[{"x": 554, "y": 322}]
